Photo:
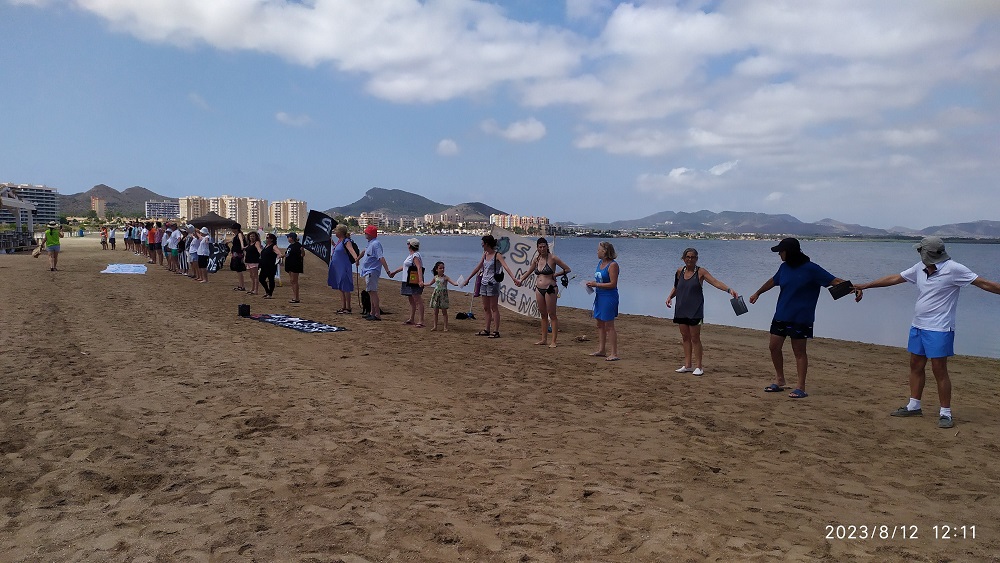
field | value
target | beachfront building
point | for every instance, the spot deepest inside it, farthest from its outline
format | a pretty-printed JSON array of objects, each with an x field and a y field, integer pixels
[
  {"x": 230, "y": 207},
  {"x": 283, "y": 214},
  {"x": 256, "y": 213},
  {"x": 98, "y": 205},
  {"x": 45, "y": 199},
  {"x": 443, "y": 218},
  {"x": 165, "y": 209},
  {"x": 529, "y": 224},
  {"x": 371, "y": 218},
  {"x": 193, "y": 206}
]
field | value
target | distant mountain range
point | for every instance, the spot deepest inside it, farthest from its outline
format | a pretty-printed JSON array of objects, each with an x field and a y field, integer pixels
[
  {"x": 399, "y": 202},
  {"x": 131, "y": 203},
  {"x": 735, "y": 222}
]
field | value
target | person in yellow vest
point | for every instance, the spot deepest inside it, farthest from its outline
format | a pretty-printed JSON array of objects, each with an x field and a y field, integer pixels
[{"x": 52, "y": 236}]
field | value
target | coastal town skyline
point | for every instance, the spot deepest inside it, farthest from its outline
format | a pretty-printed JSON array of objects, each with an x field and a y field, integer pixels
[{"x": 591, "y": 110}]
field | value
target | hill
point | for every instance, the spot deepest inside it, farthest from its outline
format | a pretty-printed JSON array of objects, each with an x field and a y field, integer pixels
[
  {"x": 403, "y": 203},
  {"x": 736, "y": 222},
  {"x": 474, "y": 211},
  {"x": 130, "y": 203}
]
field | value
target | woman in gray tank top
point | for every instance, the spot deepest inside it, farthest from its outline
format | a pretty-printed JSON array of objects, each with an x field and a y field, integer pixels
[{"x": 690, "y": 311}]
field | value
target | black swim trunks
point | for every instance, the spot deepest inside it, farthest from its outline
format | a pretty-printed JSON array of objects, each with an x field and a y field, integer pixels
[{"x": 795, "y": 331}]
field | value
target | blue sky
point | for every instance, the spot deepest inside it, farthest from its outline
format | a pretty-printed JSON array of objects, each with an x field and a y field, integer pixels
[{"x": 880, "y": 113}]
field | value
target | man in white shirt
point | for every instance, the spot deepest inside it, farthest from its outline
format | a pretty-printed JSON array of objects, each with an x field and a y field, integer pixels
[
  {"x": 938, "y": 279},
  {"x": 173, "y": 243}
]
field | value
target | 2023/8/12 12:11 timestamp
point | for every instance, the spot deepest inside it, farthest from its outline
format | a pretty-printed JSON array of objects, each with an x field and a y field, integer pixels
[
  {"x": 948, "y": 532},
  {"x": 900, "y": 532}
]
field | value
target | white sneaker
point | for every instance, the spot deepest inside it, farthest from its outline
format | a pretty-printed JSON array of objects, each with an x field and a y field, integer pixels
[
  {"x": 683, "y": 369},
  {"x": 699, "y": 371}
]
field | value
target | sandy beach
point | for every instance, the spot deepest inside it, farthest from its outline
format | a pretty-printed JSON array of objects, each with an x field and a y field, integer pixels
[{"x": 142, "y": 420}]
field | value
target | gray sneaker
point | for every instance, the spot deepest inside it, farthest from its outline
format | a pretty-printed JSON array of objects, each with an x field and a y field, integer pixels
[
  {"x": 945, "y": 422},
  {"x": 902, "y": 411}
]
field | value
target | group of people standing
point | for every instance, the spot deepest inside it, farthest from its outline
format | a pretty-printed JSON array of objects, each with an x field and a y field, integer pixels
[
  {"x": 937, "y": 277},
  {"x": 261, "y": 259},
  {"x": 931, "y": 337}
]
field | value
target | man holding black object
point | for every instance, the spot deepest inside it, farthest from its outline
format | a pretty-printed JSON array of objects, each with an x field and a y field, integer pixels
[
  {"x": 932, "y": 334},
  {"x": 800, "y": 281}
]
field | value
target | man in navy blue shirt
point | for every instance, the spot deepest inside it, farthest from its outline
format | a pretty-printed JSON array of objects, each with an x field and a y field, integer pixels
[{"x": 800, "y": 281}]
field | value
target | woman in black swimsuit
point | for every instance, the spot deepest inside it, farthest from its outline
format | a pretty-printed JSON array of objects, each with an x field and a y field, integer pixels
[{"x": 543, "y": 267}]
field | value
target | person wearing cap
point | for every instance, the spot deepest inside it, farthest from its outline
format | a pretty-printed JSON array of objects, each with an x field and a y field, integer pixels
[
  {"x": 372, "y": 262},
  {"x": 932, "y": 333},
  {"x": 52, "y": 235},
  {"x": 204, "y": 252},
  {"x": 174, "y": 244},
  {"x": 194, "y": 242},
  {"x": 413, "y": 286},
  {"x": 800, "y": 281}
]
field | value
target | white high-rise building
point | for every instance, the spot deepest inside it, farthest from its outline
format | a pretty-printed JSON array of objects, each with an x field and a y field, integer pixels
[
  {"x": 46, "y": 202},
  {"x": 163, "y": 209}
]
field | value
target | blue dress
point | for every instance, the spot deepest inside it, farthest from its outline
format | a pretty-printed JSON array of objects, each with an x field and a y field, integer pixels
[
  {"x": 605, "y": 300},
  {"x": 340, "y": 277}
]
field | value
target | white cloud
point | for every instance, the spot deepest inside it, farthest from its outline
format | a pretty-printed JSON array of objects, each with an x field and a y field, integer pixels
[
  {"x": 198, "y": 101},
  {"x": 525, "y": 131},
  {"x": 683, "y": 179},
  {"x": 820, "y": 93},
  {"x": 447, "y": 147},
  {"x": 720, "y": 169},
  {"x": 774, "y": 197},
  {"x": 293, "y": 120}
]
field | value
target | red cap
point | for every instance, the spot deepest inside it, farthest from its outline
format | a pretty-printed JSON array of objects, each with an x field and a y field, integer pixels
[{"x": 371, "y": 230}]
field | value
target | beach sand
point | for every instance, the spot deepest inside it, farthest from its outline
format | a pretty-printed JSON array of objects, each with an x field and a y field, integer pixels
[{"x": 142, "y": 420}]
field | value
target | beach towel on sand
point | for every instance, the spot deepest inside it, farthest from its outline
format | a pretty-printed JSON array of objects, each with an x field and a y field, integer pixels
[
  {"x": 125, "y": 269},
  {"x": 295, "y": 323}
]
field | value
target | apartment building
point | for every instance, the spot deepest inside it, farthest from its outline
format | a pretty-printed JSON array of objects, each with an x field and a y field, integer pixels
[
  {"x": 98, "y": 205},
  {"x": 162, "y": 209},
  {"x": 46, "y": 202},
  {"x": 283, "y": 214},
  {"x": 193, "y": 206}
]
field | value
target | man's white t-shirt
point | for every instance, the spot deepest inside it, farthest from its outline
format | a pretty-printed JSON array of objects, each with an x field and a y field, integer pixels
[{"x": 937, "y": 297}]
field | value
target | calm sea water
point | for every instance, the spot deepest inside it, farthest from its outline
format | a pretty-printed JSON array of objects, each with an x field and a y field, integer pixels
[{"x": 647, "y": 266}]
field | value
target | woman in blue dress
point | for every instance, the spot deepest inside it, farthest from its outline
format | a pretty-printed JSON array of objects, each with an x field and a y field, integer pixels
[
  {"x": 340, "y": 278},
  {"x": 605, "y": 282}
]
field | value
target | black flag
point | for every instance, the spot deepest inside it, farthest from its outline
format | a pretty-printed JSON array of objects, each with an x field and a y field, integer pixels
[{"x": 318, "y": 234}]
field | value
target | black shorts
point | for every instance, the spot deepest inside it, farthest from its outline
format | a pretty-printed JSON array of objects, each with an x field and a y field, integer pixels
[
  {"x": 202, "y": 261},
  {"x": 795, "y": 331},
  {"x": 687, "y": 321}
]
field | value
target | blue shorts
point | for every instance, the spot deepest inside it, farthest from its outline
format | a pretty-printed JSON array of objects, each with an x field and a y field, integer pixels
[
  {"x": 53, "y": 248},
  {"x": 931, "y": 343}
]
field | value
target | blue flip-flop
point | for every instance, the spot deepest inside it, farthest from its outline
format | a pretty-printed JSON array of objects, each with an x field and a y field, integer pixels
[
  {"x": 798, "y": 394},
  {"x": 773, "y": 388}
]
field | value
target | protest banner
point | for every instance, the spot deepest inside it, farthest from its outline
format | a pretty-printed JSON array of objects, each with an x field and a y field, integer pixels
[
  {"x": 518, "y": 251},
  {"x": 318, "y": 234}
]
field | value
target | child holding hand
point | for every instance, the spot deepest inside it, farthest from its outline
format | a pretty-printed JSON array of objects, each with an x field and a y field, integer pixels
[{"x": 439, "y": 298}]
